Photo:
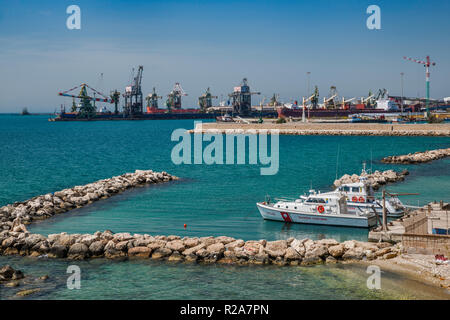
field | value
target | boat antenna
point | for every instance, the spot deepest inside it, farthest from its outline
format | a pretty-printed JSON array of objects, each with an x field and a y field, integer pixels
[{"x": 337, "y": 162}]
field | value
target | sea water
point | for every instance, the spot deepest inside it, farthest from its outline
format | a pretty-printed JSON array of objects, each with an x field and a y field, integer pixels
[{"x": 38, "y": 157}]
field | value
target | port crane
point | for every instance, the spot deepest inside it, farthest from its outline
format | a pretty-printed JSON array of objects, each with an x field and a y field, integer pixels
[
  {"x": 152, "y": 99},
  {"x": 174, "y": 97},
  {"x": 133, "y": 95},
  {"x": 367, "y": 102},
  {"x": 205, "y": 100},
  {"x": 344, "y": 102},
  {"x": 330, "y": 103},
  {"x": 274, "y": 100},
  {"x": 315, "y": 98},
  {"x": 427, "y": 64},
  {"x": 86, "y": 107},
  {"x": 242, "y": 98}
]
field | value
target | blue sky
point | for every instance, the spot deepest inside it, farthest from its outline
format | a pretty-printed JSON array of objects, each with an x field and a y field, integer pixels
[{"x": 215, "y": 44}]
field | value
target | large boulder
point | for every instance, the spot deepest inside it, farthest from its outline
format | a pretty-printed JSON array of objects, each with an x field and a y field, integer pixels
[
  {"x": 337, "y": 251},
  {"x": 193, "y": 250},
  {"x": 216, "y": 249},
  {"x": 96, "y": 248},
  {"x": 175, "y": 245},
  {"x": 161, "y": 253},
  {"x": 139, "y": 252},
  {"x": 78, "y": 251},
  {"x": 58, "y": 251}
]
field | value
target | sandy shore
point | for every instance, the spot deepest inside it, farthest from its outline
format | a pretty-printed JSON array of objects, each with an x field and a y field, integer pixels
[
  {"x": 419, "y": 267},
  {"x": 350, "y": 129}
]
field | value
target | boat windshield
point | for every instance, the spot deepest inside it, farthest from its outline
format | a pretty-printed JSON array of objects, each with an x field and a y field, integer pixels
[{"x": 315, "y": 200}]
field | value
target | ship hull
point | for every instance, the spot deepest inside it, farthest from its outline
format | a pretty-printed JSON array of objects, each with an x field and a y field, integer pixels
[
  {"x": 328, "y": 113},
  {"x": 290, "y": 216}
]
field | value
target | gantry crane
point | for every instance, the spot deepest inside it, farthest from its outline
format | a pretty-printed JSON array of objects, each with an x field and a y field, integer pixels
[
  {"x": 315, "y": 98},
  {"x": 330, "y": 103},
  {"x": 368, "y": 102},
  {"x": 205, "y": 100},
  {"x": 274, "y": 100},
  {"x": 242, "y": 98},
  {"x": 152, "y": 99},
  {"x": 174, "y": 97},
  {"x": 427, "y": 64},
  {"x": 85, "y": 108},
  {"x": 133, "y": 95},
  {"x": 344, "y": 102}
]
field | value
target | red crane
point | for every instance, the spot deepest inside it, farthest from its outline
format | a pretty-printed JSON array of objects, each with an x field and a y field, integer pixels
[{"x": 427, "y": 65}]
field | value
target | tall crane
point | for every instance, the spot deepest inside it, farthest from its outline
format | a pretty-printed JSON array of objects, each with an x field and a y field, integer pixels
[
  {"x": 85, "y": 108},
  {"x": 174, "y": 97},
  {"x": 427, "y": 64},
  {"x": 205, "y": 100},
  {"x": 330, "y": 102},
  {"x": 133, "y": 95},
  {"x": 152, "y": 99},
  {"x": 242, "y": 98}
]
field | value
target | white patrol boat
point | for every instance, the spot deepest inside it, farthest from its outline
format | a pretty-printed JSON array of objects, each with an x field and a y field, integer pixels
[
  {"x": 323, "y": 208},
  {"x": 360, "y": 196}
]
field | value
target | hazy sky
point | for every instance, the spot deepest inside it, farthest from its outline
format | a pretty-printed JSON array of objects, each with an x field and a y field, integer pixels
[{"x": 215, "y": 44}]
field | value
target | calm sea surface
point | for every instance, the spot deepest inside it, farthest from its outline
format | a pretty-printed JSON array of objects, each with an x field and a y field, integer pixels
[{"x": 39, "y": 157}]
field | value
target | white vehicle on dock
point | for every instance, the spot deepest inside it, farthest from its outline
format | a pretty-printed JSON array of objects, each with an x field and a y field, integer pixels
[{"x": 323, "y": 208}]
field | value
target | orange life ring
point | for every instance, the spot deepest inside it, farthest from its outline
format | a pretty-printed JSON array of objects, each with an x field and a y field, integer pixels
[
  {"x": 355, "y": 199},
  {"x": 361, "y": 199},
  {"x": 321, "y": 209}
]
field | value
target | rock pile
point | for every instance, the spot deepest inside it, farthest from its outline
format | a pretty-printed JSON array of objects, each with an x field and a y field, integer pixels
[
  {"x": 418, "y": 157},
  {"x": 7, "y": 273},
  {"x": 375, "y": 179},
  {"x": 204, "y": 249},
  {"x": 45, "y": 206}
]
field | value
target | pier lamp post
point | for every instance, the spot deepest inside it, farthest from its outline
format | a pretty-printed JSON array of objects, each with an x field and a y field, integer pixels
[{"x": 402, "y": 74}]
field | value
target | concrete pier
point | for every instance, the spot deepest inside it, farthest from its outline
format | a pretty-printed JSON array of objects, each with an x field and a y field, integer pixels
[{"x": 333, "y": 129}]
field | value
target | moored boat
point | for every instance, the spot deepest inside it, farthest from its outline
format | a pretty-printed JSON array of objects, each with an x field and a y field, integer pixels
[{"x": 323, "y": 209}]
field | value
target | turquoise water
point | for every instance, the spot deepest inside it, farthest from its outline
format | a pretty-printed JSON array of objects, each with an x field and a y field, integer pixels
[{"x": 38, "y": 157}]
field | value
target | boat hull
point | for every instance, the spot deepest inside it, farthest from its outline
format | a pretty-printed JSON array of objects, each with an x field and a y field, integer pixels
[
  {"x": 352, "y": 207},
  {"x": 290, "y": 216}
]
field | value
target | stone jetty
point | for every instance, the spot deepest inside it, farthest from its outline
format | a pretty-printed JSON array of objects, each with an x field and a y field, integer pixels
[
  {"x": 331, "y": 129},
  {"x": 46, "y": 206},
  {"x": 226, "y": 250},
  {"x": 375, "y": 179},
  {"x": 418, "y": 157}
]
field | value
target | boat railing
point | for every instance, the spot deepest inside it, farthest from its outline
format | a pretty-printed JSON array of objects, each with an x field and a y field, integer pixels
[{"x": 285, "y": 199}]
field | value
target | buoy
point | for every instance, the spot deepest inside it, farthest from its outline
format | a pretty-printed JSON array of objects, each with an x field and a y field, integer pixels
[
  {"x": 321, "y": 209},
  {"x": 185, "y": 225}
]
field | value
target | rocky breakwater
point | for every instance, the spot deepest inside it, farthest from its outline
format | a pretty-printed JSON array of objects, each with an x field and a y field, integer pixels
[
  {"x": 375, "y": 179},
  {"x": 173, "y": 248},
  {"x": 418, "y": 157},
  {"x": 45, "y": 206}
]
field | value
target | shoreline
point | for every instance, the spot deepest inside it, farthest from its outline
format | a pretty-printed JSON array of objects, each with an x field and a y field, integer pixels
[
  {"x": 405, "y": 264},
  {"x": 331, "y": 129}
]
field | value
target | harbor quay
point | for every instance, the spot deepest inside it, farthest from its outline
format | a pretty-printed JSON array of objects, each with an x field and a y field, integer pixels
[{"x": 334, "y": 129}]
